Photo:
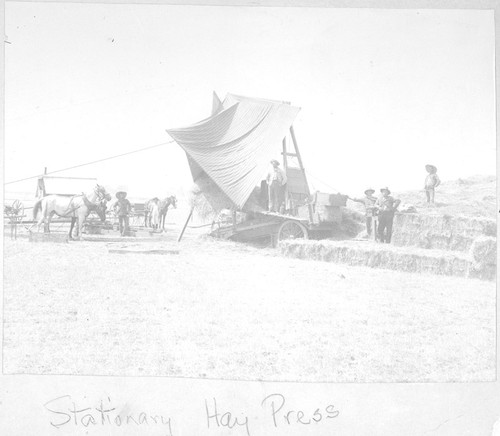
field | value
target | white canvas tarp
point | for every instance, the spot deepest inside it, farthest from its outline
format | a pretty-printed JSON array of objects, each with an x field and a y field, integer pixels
[{"x": 235, "y": 145}]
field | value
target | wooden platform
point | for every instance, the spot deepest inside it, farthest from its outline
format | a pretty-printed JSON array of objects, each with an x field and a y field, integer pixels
[{"x": 48, "y": 237}]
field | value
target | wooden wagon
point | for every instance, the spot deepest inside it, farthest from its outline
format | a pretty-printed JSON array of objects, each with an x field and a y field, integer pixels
[
  {"x": 138, "y": 215},
  {"x": 229, "y": 156},
  {"x": 317, "y": 218}
]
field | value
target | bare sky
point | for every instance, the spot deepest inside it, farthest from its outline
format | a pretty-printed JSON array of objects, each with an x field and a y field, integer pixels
[{"x": 382, "y": 92}]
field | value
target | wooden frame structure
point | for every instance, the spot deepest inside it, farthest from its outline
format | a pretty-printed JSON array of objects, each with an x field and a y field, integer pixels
[{"x": 289, "y": 195}]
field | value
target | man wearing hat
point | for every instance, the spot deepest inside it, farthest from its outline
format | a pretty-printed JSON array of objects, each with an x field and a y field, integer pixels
[
  {"x": 386, "y": 206},
  {"x": 154, "y": 212},
  {"x": 369, "y": 202},
  {"x": 122, "y": 208},
  {"x": 276, "y": 179},
  {"x": 431, "y": 182}
]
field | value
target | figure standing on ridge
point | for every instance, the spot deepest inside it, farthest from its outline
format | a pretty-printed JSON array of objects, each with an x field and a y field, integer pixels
[{"x": 431, "y": 183}]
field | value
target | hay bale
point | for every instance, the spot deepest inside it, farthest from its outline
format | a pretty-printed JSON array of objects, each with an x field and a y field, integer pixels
[
  {"x": 355, "y": 253},
  {"x": 443, "y": 232},
  {"x": 484, "y": 250},
  {"x": 483, "y": 253}
]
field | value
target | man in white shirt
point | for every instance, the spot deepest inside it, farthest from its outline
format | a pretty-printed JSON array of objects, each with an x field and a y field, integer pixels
[{"x": 276, "y": 179}]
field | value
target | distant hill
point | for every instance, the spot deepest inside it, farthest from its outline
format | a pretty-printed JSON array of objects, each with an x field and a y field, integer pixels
[{"x": 472, "y": 196}]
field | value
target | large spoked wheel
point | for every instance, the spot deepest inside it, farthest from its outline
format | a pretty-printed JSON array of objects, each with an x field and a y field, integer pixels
[
  {"x": 291, "y": 230},
  {"x": 16, "y": 211}
]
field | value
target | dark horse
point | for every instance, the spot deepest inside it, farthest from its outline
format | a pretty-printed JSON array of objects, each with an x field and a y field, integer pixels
[{"x": 164, "y": 205}]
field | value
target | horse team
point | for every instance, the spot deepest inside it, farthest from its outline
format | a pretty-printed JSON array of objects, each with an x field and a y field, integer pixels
[
  {"x": 79, "y": 207},
  {"x": 155, "y": 212}
]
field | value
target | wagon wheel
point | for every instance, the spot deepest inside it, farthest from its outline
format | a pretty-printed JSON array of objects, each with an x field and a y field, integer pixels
[
  {"x": 136, "y": 220},
  {"x": 292, "y": 230},
  {"x": 16, "y": 211}
]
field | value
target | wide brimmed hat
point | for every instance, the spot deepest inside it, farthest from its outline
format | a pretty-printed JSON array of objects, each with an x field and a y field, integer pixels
[
  {"x": 430, "y": 167},
  {"x": 121, "y": 194},
  {"x": 385, "y": 189},
  {"x": 274, "y": 161},
  {"x": 370, "y": 191}
]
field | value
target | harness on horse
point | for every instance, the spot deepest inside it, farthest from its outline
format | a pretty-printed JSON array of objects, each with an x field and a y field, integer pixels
[{"x": 91, "y": 206}]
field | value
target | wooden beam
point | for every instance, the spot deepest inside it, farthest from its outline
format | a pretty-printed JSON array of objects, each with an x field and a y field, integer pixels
[
  {"x": 285, "y": 168},
  {"x": 185, "y": 225},
  {"x": 285, "y": 155},
  {"x": 301, "y": 165}
]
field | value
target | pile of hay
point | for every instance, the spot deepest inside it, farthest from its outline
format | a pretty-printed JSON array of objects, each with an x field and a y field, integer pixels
[
  {"x": 352, "y": 224},
  {"x": 443, "y": 232},
  {"x": 207, "y": 199},
  {"x": 357, "y": 253}
]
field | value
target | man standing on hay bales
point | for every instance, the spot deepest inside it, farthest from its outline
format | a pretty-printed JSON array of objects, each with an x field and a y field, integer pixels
[
  {"x": 386, "y": 206},
  {"x": 276, "y": 179},
  {"x": 122, "y": 208},
  {"x": 431, "y": 182},
  {"x": 369, "y": 203}
]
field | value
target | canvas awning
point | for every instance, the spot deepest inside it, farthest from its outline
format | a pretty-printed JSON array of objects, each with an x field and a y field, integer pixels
[{"x": 235, "y": 145}]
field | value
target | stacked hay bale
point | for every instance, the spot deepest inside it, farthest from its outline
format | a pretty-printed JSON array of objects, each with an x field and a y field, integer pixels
[
  {"x": 471, "y": 235},
  {"x": 444, "y": 232},
  {"x": 444, "y": 245},
  {"x": 358, "y": 253}
]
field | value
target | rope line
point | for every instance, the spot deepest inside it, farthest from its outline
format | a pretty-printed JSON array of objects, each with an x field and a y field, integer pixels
[
  {"x": 323, "y": 182},
  {"x": 90, "y": 163}
]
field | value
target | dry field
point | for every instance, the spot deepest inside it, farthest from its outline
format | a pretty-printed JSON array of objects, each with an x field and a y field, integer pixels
[{"x": 226, "y": 310}]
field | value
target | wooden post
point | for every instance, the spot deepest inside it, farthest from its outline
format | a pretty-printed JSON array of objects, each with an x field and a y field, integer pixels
[
  {"x": 297, "y": 152},
  {"x": 374, "y": 235},
  {"x": 185, "y": 225},
  {"x": 285, "y": 155},
  {"x": 285, "y": 168}
]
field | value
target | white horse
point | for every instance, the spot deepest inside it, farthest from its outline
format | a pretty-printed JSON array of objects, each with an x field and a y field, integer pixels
[{"x": 76, "y": 206}]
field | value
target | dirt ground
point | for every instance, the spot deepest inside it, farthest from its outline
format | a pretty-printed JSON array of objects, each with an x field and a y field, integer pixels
[{"x": 226, "y": 310}]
